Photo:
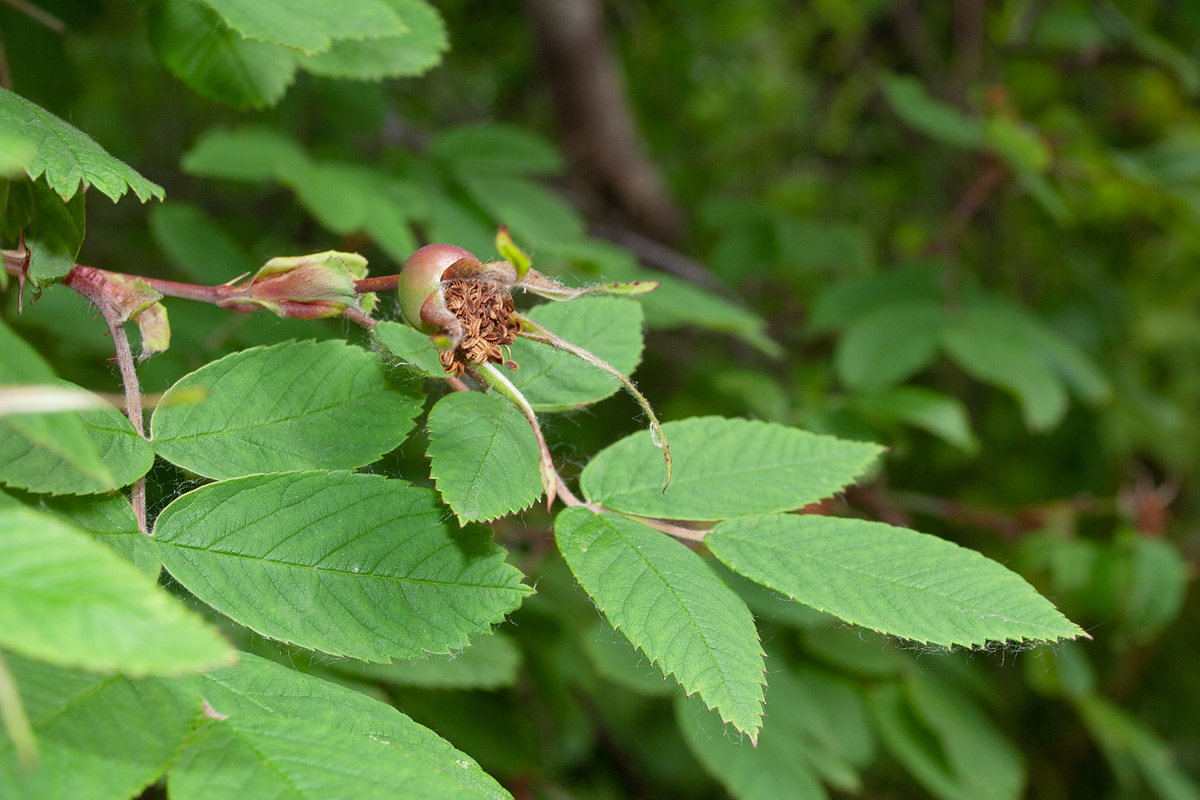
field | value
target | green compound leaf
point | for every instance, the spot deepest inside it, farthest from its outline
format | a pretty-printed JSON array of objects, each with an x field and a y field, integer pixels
[
  {"x": 245, "y": 154},
  {"x": 724, "y": 468},
  {"x": 609, "y": 327},
  {"x": 273, "y": 710},
  {"x": 196, "y": 245},
  {"x": 847, "y": 302},
  {"x": 618, "y": 661},
  {"x": 489, "y": 663},
  {"x": 308, "y": 25},
  {"x": 110, "y": 521},
  {"x": 942, "y": 415},
  {"x": 890, "y": 345},
  {"x": 54, "y": 236},
  {"x": 1130, "y": 747},
  {"x": 103, "y": 737},
  {"x": 352, "y": 565},
  {"x": 987, "y": 354},
  {"x": 412, "y": 52},
  {"x": 214, "y": 60},
  {"x": 484, "y": 456},
  {"x": 946, "y": 742},
  {"x": 773, "y": 768},
  {"x": 925, "y": 113},
  {"x": 40, "y": 452},
  {"x": 295, "y": 405},
  {"x": 66, "y": 156},
  {"x": 70, "y": 601},
  {"x": 497, "y": 149},
  {"x": 533, "y": 212},
  {"x": 892, "y": 580},
  {"x": 410, "y": 346},
  {"x": 61, "y": 435},
  {"x": 672, "y": 606}
]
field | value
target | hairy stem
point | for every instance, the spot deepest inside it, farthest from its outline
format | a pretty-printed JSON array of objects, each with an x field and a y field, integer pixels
[
  {"x": 536, "y": 333},
  {"x": 82, "y": 282},
  {"x": 16, "y": 723},
  {"x": 488, "y": 375}
]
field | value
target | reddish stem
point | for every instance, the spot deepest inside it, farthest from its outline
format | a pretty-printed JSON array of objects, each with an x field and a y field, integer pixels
[
  {"x": 90, "y": 283},
  {"x": 384, "y": 283}
]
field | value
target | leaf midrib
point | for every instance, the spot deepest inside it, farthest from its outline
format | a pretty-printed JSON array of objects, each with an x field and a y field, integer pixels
[
  {"x": 381, "y": 576},
  {"x": 775, "y": 549}
]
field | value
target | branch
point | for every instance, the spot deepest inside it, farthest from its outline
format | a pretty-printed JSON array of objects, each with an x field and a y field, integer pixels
[
  {"x": 969, "y": 37},
  {"x": 918, "y": 42},
  {"x": 991, "y": 177},
  {"x": 79, "y": 281},
  {"x": 5, "y": 73},
  {"x": 655, "y": 254},
  {"x": 593, "y": 112},
  {"x": 39, "y": 15}
]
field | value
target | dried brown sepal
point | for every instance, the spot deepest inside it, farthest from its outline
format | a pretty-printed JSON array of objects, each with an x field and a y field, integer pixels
[{"x": 485, "y": 311}]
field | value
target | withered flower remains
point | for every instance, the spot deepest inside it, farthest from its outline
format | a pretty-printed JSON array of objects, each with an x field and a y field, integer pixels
[{"x": 485, "y": 311}]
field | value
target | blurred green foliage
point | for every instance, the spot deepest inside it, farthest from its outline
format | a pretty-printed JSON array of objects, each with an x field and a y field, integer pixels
[{"x": 994, "y": 270}]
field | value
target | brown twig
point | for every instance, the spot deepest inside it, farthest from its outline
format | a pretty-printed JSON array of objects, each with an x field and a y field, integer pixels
[
  {"x": 39, "y": 15},
  {"x": 5, "y": 73},
  {"x": 989, "y": 178},
  {"x": 594, "y": 114},
  {"x": 918, "y": 42},
  {"x": 655, "y": 254},
  {"x": 969, "y": 38}
]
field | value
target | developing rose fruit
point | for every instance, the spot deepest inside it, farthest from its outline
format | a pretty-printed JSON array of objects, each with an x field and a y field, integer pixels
[{"x": 446, "y": 290}]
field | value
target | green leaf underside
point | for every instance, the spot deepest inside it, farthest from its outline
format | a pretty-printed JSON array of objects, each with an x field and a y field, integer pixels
[
  {"x": 489, "y": 663},
  {"x": 894, "y": 580},
  {"x": 672, "y": 606},
  {"x": 724, "y": 468},
  {"x": 101, "y": 737},
  {"x": 66, "y": 156},
  {"x": 484, "y": 456},
  {"x": 73, "y": 602},
  {"x": 216, "y": 61},
  {"x": 351, "y": 565},
  {"x": 773, "y": 769},
  {"x": 308, "y": 25},
  {"x": 410, "y": 53},
  {"x": 34, "y": 456},
  {"x": 273, "y": 710},
  {"x": 608, "y": 327},
  {"x": 55, "y": 234},
  {"x": 410, "y": 346},
  {"x": 295, "y": 405}
]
